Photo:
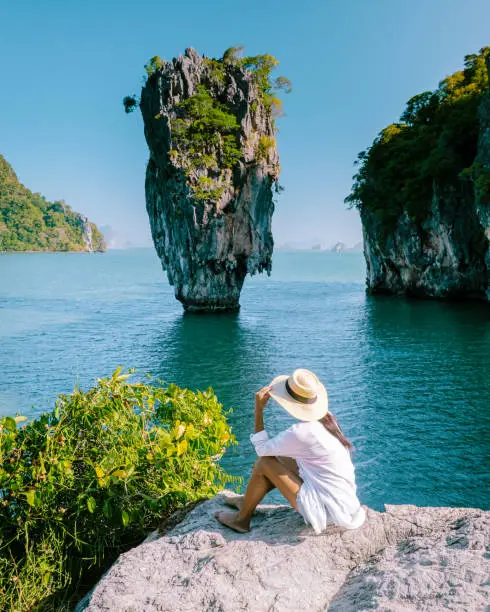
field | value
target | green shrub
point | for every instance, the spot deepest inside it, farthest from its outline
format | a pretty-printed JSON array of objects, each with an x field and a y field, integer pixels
[
  {"x": 265, "y": 144},
  {"x": 87, "y": 481},
  {"x": 154, "y": 64},
  {"x": 233, "y": 55},
  {"x": 217, "y": 73},
  {"x": 206, "y": 190},
  {"x": 205, "y": 130},
  {"x": 130, "y": 103},
  {"x": 480, "y": 175}
]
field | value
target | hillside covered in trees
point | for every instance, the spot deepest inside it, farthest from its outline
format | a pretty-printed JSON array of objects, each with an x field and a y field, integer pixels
[
  {"x": 28, "y": 222},
  {"x": 435, "y": 141},
  {"x": 423, "y": 192}
]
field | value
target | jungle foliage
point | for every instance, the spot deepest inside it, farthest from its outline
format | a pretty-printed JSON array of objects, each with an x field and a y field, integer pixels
[
  {"x": 435, "y": 141},
  {"x": 89, "y": 480}
]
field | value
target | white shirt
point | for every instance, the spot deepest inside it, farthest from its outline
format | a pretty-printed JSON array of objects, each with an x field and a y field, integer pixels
[{"x": 328, "y": 492}]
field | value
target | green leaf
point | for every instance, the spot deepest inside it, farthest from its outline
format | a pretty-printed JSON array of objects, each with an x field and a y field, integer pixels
[
  {"x": 31, "y": 497},
  {"x": 164, "y": 438},
  {"x": 10, "y": 424},
  {"x": 91, "y": 504},
  {"x": 107, "y": 508},
  {"x": 181, "y": 447},
  {"x": 124, "y": 518},
  {"x": 99, "y": 471}
]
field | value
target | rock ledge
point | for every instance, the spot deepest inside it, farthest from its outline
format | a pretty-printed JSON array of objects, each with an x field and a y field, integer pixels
[{"x": 407, "y": 558}]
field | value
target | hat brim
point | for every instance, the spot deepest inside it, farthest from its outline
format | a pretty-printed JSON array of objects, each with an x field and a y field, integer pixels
[{"x": 300, "y": 411}]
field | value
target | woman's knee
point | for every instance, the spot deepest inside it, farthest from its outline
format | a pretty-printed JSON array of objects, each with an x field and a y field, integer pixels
[{"x": 263, "y": 464}]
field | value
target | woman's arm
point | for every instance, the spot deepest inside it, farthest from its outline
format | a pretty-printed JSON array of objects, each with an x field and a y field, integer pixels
[
  {"x": 261, "y": 399},
  {"x": 286, "y": 444}
]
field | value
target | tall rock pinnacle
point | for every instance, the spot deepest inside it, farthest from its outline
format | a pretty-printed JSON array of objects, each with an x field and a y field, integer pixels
[{"x": 209, "y": 125}]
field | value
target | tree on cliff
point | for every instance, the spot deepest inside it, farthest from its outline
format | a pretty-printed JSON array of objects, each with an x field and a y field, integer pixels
[{"x": 435, "y": 140}]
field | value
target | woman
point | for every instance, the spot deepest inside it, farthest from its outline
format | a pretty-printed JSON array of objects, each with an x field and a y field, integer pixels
[{"x": 309, "y": 463}]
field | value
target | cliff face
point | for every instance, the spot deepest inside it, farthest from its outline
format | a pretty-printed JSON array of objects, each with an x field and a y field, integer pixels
[
  {"x": 406, "y": 558},
  {"x": 91, "y": 235},
  {"x": 483, "y": 158},
  {"x": 213, "y": 162},
  {"x": 445, "y": 252},
  {"x": 442, "y": 257}
]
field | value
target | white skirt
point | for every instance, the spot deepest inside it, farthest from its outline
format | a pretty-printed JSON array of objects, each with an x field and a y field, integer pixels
[{"x": 318, "y": 509}]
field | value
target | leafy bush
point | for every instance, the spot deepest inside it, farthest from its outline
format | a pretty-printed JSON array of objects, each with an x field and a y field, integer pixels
[
  {"x": 206, "y": 127},
  {"x": 207, "y": 190},
  {"x": 480, "y": 175},
  {"x": 435, "y": 141},
  {"x": 87, "y": 481}
]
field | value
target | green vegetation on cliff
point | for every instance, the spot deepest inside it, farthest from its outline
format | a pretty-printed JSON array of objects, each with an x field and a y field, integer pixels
[
  {"x": 435, "y": 142},
  {"x": 28, "y": 222},
  {"x": 205, "y": 127},
  {"x": 89, "y": 480},
  {"x": 205, "y": 132}
]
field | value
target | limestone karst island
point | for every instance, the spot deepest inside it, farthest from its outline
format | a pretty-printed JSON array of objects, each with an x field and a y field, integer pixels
[
  {"x": 213, "y": 168},
  {"x": 28, "y": 222},
  {"x": 423, "y": 192}
]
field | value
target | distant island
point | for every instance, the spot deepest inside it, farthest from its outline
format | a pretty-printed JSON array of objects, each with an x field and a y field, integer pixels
[
  {"x": 28, "y": 222},
  {"x": 338, "y": 247}
]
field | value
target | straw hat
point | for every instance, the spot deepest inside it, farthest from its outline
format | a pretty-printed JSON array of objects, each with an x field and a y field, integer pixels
[{"x": 301, "y": 394}]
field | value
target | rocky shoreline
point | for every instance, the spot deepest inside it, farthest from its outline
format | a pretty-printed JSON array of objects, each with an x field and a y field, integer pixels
[{"x": 406, "y": 558}]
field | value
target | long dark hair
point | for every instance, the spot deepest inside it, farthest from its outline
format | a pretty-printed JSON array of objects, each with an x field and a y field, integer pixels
[{"x": 332, "y": 425}]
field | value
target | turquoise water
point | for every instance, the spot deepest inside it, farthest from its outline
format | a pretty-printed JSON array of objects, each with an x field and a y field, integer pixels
[{"x": 409, "y": 380}]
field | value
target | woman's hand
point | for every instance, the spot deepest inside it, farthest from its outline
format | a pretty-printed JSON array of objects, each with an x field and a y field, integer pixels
[{"x": 262, "y": 397}]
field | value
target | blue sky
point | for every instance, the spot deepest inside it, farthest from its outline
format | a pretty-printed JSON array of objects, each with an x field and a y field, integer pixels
[{"x": 66, "y": 67}]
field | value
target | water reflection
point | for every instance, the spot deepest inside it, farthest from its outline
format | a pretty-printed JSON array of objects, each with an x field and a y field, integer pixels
[
  {"x": 226, "y": 351},
  {"x": 425, "y": 370}
]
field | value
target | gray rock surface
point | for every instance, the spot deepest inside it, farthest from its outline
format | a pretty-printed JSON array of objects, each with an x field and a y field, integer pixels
[
  {"x": 208, "y": 247},
  {"x": 443, "y": 259},
  {"x": 407, "y": 558},
  {"x": 449, "y": 256}
]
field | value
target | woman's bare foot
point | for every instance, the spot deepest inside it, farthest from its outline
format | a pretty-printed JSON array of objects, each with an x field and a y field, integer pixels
[
  {"x": 234, "y": 502},
  {"x": 231, "y": 520}
]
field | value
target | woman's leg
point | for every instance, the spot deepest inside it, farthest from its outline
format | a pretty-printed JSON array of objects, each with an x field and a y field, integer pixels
[
  {"x": 267, "y": 474},
  {"x": 237, "y": 500}
]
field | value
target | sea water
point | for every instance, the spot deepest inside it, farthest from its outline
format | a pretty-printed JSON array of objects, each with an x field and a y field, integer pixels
[{"x": 408, "y": 380}]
